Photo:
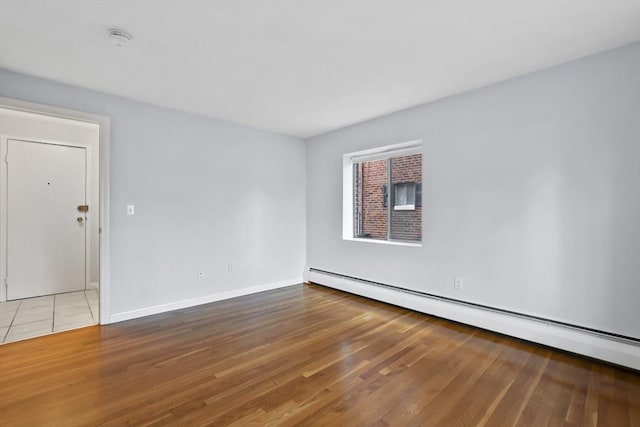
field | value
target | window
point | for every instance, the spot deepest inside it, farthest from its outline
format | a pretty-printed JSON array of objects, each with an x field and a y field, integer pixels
[
  {"x": 371, "y": 211},
  {"x": 405, "y": 196}
]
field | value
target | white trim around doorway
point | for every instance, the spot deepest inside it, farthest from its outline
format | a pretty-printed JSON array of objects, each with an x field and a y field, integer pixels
[{"x": 103, "y": 123}]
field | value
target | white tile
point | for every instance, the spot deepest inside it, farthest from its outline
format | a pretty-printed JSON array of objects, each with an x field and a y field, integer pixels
[
  {"x": 25, "y": 335},
  {"x": 73, "y": 295},
  {"x": 71, "y": 301},
  {"x": 8, "y": 313},
  {"x": 69, "y": 326},
  {"x": 60, "y": 317},
  {"x": 37, "y": 316},
  {"x": 32, "y": 316},
  {"x": 28, "y": 327},
  {"x": 72, "y": 298},
  {"x": 22, "y": 311},
  {"x": 6, "y": 319},
  {"x": 84, "y": 318},
  {"x": 9, "y": 306},
  {"x": 70, "y": 311},
  {"x": 35, "y": 309},
  {"x": 70, "y": 294},
  {"x": 73, "y": 307},
  {"x": 37, "y": 302},
  {"x": 92, "y": 295}
]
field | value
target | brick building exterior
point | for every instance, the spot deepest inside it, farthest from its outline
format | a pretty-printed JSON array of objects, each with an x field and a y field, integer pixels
[
  {"x": 374, "y": 211},
  {"x": 407, "y": 225},
  {"x": 371, "y": 202}
]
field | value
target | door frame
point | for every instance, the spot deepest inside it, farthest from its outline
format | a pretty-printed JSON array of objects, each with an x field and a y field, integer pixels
[
  {"x": 4, "y": 206},
  {"x": 103, "y": 123}
]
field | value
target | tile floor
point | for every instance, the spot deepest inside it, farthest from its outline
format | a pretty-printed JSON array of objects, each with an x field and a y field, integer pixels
[{"x": 33, "y": 317}]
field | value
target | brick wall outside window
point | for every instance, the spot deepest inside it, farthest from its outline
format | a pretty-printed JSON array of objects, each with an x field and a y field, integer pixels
[
  {"x": 374, "y": 214},
  {"x": 406, "y": 225}
]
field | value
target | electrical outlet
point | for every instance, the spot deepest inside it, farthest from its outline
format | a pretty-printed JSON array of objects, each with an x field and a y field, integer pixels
[
  {"x": 230, "y": 268},
  {"x": 200, "y": 273},
  {"x": 458, "y": 283},
  {"x": 131, "y": 210}
]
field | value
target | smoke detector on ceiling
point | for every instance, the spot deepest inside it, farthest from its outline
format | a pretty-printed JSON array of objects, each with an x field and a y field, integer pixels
[{"x": 119, "y": 37}]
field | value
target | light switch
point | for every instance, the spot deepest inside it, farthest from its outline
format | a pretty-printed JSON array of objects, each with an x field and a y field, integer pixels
[{"x": 130, "y": 210}]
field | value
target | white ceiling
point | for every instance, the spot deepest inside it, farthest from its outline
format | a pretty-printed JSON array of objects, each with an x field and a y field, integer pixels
[{"x": 303, "y": 67}]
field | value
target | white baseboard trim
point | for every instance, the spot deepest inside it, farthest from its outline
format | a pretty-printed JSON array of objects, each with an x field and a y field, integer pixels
[
  {"x": 599, "y": 346},
  {"x": 93, "y": 285},
  {"x": 162, "y": 308}
]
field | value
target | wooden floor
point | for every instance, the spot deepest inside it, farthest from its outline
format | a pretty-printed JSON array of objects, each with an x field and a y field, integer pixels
[{"x": 304, "y": 355}]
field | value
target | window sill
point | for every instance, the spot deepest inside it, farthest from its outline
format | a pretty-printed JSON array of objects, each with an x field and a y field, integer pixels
[
  {"x": 404, "y": 208},
  {"x": 385, "y": 242}
]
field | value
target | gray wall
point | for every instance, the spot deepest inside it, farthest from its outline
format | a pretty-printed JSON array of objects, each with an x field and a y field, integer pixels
[
  {"x": 530, "y": 193},
  {"x": 207, "y": 193}
]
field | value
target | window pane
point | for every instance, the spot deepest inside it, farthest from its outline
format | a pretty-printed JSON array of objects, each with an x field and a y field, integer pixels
[
  {"x": 411, "y": 193},
  {"x": 401, "y": 194},
  {"x": 406, "y": 173},
  {"x": 370, "y": 205}
]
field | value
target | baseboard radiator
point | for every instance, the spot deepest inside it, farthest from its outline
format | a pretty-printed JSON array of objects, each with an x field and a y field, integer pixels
[{"x": 610, "y": 347}]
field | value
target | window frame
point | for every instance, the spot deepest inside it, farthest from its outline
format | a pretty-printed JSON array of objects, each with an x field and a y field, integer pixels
[{"x": 384, "y": 152}]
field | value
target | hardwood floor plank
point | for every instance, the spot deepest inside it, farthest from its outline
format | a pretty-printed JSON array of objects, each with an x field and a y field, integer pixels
[
  {"x": 304, "y": 355},
  {"x": 476, "y": 405}
]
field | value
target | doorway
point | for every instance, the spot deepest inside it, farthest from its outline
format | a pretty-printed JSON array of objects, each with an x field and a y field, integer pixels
[{"x": 54, "y": 226}]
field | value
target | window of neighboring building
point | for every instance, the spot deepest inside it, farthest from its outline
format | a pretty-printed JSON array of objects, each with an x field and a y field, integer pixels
[
  {"x": 405, "y": 196},
  {"x": 372, "y": 212}
]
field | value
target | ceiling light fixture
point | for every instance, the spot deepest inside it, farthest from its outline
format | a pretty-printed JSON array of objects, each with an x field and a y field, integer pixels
[{"x": 119, "y": 37}]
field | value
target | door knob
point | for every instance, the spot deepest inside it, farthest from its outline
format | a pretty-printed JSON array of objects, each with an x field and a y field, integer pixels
[{"x": 80, "y": 219}]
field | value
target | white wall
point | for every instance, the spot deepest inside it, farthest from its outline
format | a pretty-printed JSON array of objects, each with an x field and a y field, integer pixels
[
  {"x": 38, "y": 127},
  {"x": 530, "y": 192},
  {"x": 207, "y": 193}
]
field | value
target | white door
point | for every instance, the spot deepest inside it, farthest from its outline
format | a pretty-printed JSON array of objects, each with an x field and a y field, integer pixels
[{"x": 45, "y": 230}]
